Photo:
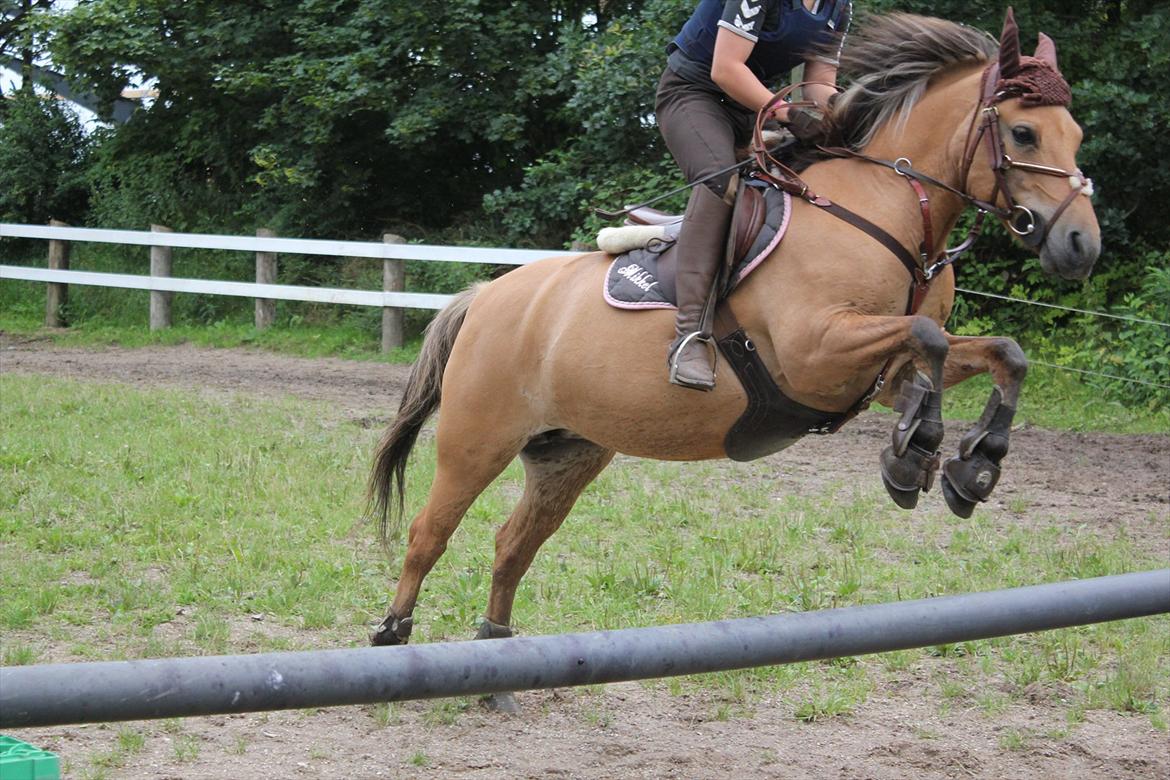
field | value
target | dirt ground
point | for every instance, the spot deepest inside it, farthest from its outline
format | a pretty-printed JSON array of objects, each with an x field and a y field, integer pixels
[{"x": 1108, "y": 484}]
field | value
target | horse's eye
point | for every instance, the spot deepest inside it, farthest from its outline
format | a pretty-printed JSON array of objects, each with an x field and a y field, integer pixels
[{"x": 1023, "y": 135}]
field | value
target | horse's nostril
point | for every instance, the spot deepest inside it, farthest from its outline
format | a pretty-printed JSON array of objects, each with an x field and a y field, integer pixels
[{"x": 1075, "y": 239}]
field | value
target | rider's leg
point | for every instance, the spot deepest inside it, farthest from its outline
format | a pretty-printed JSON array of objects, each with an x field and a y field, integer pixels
[
  {"x": 700, "y": 252},
  {"x": 701, "y": 130}
]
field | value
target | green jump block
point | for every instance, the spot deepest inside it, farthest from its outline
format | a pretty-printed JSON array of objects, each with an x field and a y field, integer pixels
[{"x": 21, "y": 761}]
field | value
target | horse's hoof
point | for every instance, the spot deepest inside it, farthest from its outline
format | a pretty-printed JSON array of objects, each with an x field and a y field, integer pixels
[
  {"x": 907, "y": 499},
  {"x": 962, "y": 507},
  {"x": 384, "y": 638},
  {"x": 501, "y": 702},
  {"x": 392, "y": 631}
]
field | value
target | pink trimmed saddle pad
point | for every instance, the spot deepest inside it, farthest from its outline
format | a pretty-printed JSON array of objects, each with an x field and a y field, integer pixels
[{"x": 644, "y": 278}]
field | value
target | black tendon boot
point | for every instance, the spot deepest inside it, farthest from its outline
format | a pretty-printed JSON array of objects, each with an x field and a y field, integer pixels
[{"x": 700, "y": 251}]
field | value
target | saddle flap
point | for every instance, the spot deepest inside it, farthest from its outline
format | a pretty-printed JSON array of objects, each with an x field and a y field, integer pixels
[{"x": 746, "y": 222}]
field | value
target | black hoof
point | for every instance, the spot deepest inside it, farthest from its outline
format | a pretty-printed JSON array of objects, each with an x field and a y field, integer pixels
[
  {"x": 392, "y": 631},
  {"x": 501, "y": 702},
  {"x": 384, "y": 638},
  {"x": 907, "y": 499},
  {"x": 962, "y": 507}
]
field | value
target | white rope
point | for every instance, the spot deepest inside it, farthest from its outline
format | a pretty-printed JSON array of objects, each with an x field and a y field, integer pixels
[
  {"x": 1100, "y": 374},
  {"x": 1065, "y": 308}
]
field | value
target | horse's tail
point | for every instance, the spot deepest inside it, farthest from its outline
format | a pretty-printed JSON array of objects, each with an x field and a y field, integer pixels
[{"x": 420, "y": 399}]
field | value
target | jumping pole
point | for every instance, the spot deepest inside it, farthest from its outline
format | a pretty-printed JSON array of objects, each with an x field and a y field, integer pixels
[{"x": 55, "y": 694}]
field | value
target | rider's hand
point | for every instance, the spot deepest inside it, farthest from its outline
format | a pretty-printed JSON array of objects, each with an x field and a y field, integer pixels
[{"x": 808, "y": 126}]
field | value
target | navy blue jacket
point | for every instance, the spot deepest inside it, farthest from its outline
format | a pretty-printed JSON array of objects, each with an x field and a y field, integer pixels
[{"x": 785, "y": 34}]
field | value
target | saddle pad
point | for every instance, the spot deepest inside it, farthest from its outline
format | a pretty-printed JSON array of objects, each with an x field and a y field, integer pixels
[{"x": 633, "y": 282}]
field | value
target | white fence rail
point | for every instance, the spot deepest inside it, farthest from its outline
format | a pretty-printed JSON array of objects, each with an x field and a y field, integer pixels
[
  {"x": 392, "y": 251},
  {"x": 290, "y": 246}
]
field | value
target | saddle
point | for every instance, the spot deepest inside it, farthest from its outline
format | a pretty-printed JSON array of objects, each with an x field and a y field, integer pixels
[{"x": 642, "y": 277}]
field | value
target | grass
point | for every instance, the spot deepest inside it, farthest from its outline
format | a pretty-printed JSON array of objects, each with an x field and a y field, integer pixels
[
  {"x": 159, "y": 523},
  {"x": 290, "y": 337}
]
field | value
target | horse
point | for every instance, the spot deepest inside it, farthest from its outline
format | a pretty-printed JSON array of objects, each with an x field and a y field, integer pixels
[{"x": 535, "y": 364}]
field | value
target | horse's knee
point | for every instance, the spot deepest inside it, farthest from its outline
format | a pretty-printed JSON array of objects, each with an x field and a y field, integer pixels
[
  {"x": 930, "y": 341},
  {"x": 1011, "y": 356}
]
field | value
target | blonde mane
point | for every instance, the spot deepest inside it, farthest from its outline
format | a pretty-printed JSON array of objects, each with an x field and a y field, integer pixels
[{"x": 888, "y": 62}]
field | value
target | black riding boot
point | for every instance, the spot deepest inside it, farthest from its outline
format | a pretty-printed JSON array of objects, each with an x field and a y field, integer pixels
[{"x": 701, "y": 245}]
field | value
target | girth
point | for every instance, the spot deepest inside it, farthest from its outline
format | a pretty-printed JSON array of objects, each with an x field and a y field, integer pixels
[{"x": 772, "y": 421}]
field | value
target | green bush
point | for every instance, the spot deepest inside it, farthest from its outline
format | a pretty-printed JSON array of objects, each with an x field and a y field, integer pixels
[
  {"x": 1135, "y": 350},
  {"x": 42, "y": 161}
]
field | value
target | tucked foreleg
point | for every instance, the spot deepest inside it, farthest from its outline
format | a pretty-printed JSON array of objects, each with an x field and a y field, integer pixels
[
  {"x": 970, "y": 477},
  {"x": 909, "y": 464}
]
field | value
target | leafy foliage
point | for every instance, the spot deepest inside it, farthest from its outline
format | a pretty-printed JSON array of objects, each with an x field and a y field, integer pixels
[
  {"x": 42, "y": 159},
  {"x": 1136, "y": 350}
]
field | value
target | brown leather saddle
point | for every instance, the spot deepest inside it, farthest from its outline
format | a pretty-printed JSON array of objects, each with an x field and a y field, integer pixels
[
  {"x": 747, "y": 220},
  {"x": 757, "y": 220}
]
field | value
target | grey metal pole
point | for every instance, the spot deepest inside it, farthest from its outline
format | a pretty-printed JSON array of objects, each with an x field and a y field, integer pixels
[{"x": 55, "y": 694}]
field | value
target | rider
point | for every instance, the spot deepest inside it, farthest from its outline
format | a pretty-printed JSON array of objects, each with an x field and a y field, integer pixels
[{"x": 708, "y": 97}]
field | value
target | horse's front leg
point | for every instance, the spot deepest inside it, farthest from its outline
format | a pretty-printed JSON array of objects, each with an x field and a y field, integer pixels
[
  {"x": 970, "y": 477},
  {"x": 909, "y": 464}
]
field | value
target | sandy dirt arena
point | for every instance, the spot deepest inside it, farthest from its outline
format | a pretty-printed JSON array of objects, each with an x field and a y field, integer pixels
[{"x": 636, "y": 730}]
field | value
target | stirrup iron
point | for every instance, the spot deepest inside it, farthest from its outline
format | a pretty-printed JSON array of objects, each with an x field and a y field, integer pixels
[{"x": 677, "y": 350}]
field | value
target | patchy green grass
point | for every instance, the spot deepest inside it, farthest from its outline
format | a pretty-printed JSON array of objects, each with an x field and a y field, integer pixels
[
  {"x": 1052, "y": 398},
  {"x": 303, "y": 339},
  {"x": 137, "y": 524}
]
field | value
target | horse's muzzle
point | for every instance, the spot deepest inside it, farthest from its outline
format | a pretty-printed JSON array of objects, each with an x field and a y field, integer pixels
[{"x": 1069, "y": 251}]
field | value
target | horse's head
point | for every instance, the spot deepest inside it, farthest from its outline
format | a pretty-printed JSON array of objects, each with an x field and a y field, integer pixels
[{"x": 1034, "y": 142}]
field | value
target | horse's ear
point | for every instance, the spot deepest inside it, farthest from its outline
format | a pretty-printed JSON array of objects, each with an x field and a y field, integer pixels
[
  {"x": 1046, "y": 51},
  {"x": 1009, "y": 46}
]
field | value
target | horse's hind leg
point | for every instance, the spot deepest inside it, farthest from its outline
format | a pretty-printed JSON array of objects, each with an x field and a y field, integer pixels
[
  {"x": 970, "y": 477},
  {"x": 461, "y": 474},
  {"x": 557, "y": 467}
]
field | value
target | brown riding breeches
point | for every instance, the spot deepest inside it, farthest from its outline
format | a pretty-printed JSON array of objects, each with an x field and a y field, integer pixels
[{"x": 701, "y": 129}]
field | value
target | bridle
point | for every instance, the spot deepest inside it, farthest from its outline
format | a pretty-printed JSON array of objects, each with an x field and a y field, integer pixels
[
  {"x": 1031, "y": 229},
  {"x": 984, "y": 130}
]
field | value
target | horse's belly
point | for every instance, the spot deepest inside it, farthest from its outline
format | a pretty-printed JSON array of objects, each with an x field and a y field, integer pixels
[{"x": 616, "y": 392}]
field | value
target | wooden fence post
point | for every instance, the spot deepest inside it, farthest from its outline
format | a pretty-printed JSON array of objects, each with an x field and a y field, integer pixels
[
  {"x": 58, "y": 293},
  {"x": 160, "y": 300},
  {"x": 393, "y": 280},
  {"x": 265, "y": 274}
]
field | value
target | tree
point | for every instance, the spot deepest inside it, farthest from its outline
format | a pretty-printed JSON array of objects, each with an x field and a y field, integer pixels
[
  {"x": 16, "y": 39},
  {"x": 325, "y": 117},
  {"x": 42, "y": 161}
]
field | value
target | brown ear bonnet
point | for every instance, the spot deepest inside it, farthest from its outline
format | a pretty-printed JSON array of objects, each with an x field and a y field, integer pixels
[{"x": 1035, "y": 80}]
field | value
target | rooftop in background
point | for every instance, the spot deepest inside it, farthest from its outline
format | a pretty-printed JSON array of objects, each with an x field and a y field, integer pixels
[{"x": 51, "y": 79}]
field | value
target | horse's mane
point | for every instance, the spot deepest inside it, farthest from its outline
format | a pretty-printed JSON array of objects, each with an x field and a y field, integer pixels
[{"x": 887, "y": 63}]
